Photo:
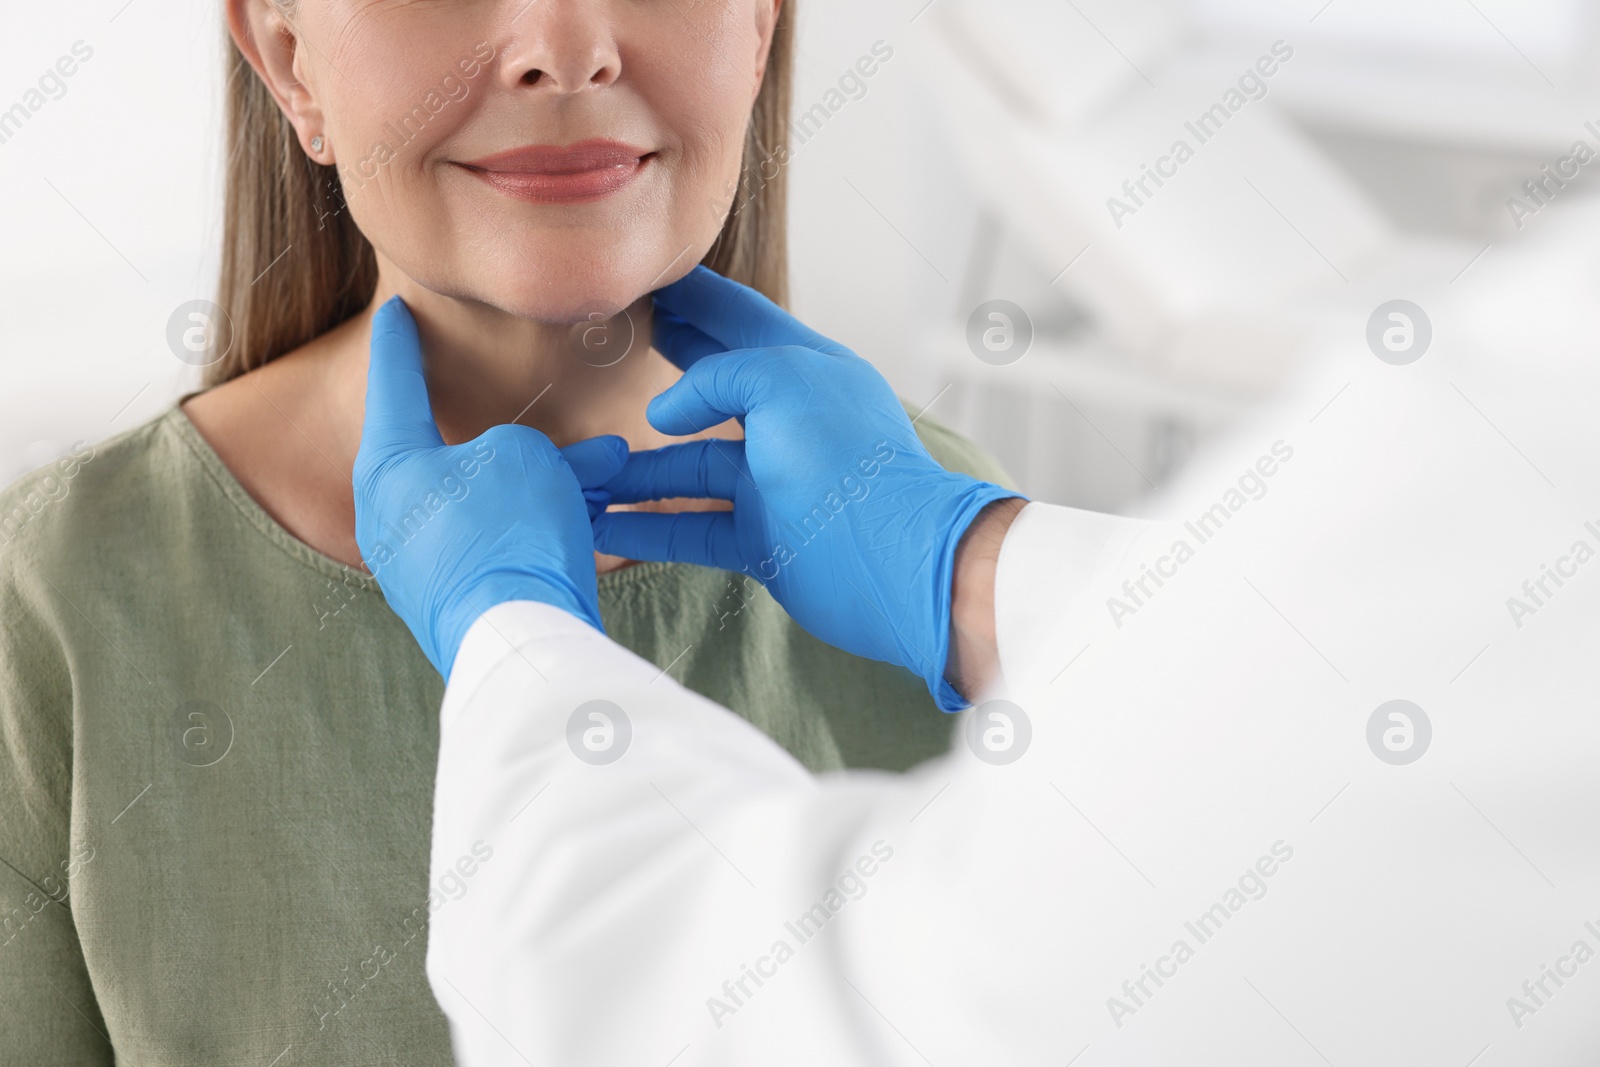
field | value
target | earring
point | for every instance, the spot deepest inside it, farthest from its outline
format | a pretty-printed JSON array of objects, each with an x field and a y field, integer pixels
[{"x": 316, "y": 143}]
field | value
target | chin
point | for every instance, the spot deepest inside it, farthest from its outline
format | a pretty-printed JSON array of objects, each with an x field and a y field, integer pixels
[{"x": 575, "y": 288}]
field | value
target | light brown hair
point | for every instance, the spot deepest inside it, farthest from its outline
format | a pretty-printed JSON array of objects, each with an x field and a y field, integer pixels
[{"x": 294, "y": 265}]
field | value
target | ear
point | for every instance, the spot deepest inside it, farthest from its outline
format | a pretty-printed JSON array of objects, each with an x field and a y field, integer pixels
[
  {"x": 767, "y": 14},
  {"x": 271, "y": 44}
]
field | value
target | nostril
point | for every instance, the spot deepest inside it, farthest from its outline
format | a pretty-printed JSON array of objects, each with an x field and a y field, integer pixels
[{"x": 533, "y": 77}]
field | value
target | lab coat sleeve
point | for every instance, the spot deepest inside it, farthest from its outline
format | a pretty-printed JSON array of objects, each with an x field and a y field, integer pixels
[
  {"x": 1067, "y": 576},
  {"x": 623, "y": 871}
]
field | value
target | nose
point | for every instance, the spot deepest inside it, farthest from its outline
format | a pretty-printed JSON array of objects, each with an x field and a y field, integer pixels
[{"x": 564, "y": 46}]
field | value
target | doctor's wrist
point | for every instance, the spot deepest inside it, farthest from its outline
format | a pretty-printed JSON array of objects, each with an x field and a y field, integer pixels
[{"x": 974, "y": 661}]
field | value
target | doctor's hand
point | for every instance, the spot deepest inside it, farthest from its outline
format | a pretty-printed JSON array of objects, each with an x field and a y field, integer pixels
[
  {"x": 449, "y": 531},
  {"x": 838, "y": 509}
]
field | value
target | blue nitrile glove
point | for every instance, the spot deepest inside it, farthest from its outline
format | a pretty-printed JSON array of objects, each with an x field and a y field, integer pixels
[
  {"x": 838, "y": 510},
  {"x": 449, "y": 531}
]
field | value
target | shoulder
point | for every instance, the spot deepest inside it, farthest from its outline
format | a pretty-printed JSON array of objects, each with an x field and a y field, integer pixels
[
  {"x": 957, "y": 453},
  {"x": 69, "y": 511},
  {"x": 63, "y": 529}
]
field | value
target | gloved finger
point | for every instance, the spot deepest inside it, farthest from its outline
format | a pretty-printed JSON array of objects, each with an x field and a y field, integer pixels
[
  {"x": 596, "y": 501},
  {"x": 711, "y": 392},
  {"x": 399, "y": 417},
  {"x": 707, "y": 469},
  {"x": 705, "y": 538},
  {"x": 684, "y": 345},
  {"x": 736, "y": 315},
  {"x": 596, "y": 460}
]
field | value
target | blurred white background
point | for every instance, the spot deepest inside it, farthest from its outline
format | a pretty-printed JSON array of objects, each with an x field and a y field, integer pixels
[{"x": 977, "y": 166}]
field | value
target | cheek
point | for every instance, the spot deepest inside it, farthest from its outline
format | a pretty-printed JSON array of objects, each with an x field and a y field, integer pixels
[
  {"x": 701, "y": 90},
  {"x": 397, "y": 86}
]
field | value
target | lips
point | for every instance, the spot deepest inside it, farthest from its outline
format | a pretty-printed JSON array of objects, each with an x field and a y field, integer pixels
[{"x": 563, "y": 174}]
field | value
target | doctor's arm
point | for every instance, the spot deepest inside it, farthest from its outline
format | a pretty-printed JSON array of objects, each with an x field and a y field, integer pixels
[{"x": 662, "y": 878}]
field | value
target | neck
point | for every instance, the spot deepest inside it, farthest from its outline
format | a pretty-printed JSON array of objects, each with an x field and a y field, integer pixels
[{"x": 485, "y": 367}]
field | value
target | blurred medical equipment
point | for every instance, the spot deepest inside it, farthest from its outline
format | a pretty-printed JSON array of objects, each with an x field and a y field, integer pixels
[{"x": 1185, "y": 174}]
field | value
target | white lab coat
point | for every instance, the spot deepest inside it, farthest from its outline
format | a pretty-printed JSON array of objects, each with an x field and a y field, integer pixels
[{"x": 1199, "y": 857}]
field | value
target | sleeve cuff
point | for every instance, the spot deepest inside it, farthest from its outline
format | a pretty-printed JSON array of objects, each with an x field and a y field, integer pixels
[
  {"x": 555, "y": 643},
  {"x": 1057, "y": 570}
]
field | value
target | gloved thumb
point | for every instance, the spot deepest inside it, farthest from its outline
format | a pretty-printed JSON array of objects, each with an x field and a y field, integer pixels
[
  {"x": 717, "y": 388},
  {"x": 398, "y": 415}
]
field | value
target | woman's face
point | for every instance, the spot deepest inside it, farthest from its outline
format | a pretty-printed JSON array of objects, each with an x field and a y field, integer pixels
[{"x": 556, "y": 159}]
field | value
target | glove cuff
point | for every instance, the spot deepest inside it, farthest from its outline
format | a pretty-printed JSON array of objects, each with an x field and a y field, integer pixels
[
  {"x": 977, "y": 496},
  {"x": 500, "y": 587}
]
